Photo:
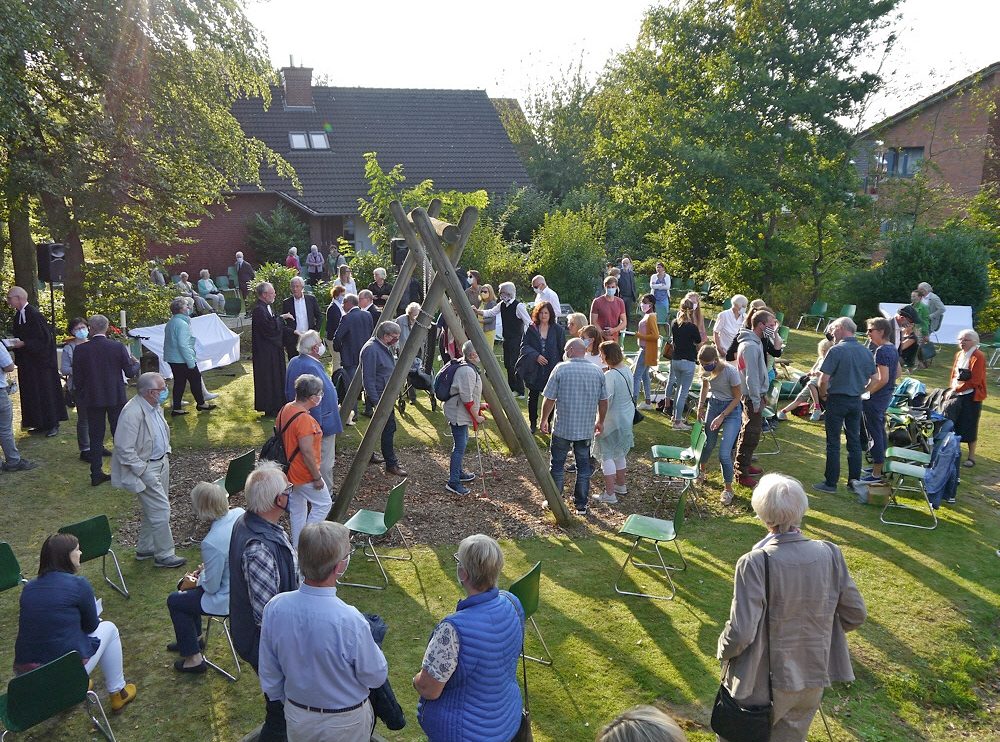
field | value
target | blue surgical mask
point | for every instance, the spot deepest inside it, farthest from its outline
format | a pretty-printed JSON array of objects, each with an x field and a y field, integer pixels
[
  {"x": 163, "y": 396},
  {"x": 710, "y": 367},
  {"x": 81, "y": 332},
  {"x": 610, "y": 291}
]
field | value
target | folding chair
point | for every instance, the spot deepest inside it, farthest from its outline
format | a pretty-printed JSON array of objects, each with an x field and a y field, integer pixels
[
  {"x": 783, "y": 332},
  {"x": 817, "y": 311},
  {"x": 770, "y": 415},
  {"x": 236, "y": 477},
  {"x": 234, "y": 308},
  {"x": 846, "y": 310},
  {"x": 372, "y": 524},
  {"x": 223, "y": 621},
  {"x": 688, "y": 472},
  {"x": 779, "y": 318},
  {"x": 656, "y": 530},
  {"x": 10, "y": 570},
  {"x": 94, "y": 535},
  {"x": 526, "y": 589},
  {"x": 48, "y": 690},
  {"x": 901, "y": 470},
  {"x": 678, "y": 453}
]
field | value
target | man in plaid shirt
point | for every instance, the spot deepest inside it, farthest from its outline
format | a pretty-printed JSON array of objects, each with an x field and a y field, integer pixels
[{"x": 576, "y": 389}]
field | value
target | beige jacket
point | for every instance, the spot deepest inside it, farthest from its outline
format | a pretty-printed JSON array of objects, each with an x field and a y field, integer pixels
[
  {"x": 133, "y": 446},
  {"x": 814, "y": 602}
]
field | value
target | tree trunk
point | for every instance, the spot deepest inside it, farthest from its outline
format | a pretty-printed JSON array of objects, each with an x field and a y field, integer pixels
[
  {"x": 818, "y": 260},
  {"x": 22, "y": 247}
]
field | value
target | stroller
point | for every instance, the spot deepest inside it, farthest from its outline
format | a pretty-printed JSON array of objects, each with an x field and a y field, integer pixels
[{"x": 416, "y": 380}]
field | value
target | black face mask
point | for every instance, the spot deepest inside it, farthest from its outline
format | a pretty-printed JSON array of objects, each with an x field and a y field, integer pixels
[{"x": 829, "y": 336}]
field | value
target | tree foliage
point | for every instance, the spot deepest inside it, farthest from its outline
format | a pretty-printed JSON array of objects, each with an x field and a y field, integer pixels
[
  {"x": 271, "y": 235},
  {"x": 116, "y": 118},
  {"x": 568, "y": 249}
]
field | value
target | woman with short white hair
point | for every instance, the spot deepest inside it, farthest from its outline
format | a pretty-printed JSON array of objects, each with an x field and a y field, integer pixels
[
  {"x": 468, "y": 679},
  {"x": 210, "y": 292},
  {"x": 968, "y": 384},
  {"x": 793, "y": 602},
  {"x": 380, "y": 288},
  {"x": 642, "y": 724}
]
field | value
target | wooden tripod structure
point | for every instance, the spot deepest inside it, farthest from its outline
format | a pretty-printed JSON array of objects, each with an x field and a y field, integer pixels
[{"x": 423, "y": 234}]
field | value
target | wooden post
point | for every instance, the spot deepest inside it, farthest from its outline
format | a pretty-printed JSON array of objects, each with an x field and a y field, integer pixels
[
  {"x": 455, "y": 325},
  {"x": 491, "y": 368},
  {"x": 389, "y": 311},
  {"x": 407, "y": 355}
]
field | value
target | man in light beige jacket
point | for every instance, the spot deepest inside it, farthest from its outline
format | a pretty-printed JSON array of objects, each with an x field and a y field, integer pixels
[{"x": 140, "y": 464}]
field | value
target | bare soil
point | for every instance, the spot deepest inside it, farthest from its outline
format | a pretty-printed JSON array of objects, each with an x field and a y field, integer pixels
[{"x": 511, "y": 507}]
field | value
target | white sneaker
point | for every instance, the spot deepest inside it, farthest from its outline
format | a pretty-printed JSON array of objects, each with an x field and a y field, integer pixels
[
  {"x": 816, "y": 415},
  {"x": 646, "y": 406},
  {"x": 681, "y": 425},
  {"x": 782, "y": 415},
  {"x": 621, "y": 489},
  {"x": 606, "y": 499},
  {"x": 210, "y": 395},
  {"x": 727, "y": 497}
]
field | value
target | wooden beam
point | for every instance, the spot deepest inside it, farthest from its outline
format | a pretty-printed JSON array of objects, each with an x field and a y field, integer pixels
[
  {"x": 408, "y": 354},
  {"x": 491, "y": 368},
  {"x": 388, "y": 312}
]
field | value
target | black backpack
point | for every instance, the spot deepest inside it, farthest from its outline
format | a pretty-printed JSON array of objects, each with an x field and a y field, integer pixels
[
  {"x": 444, "y": 379},
  {"x": 274, "y": 447}
]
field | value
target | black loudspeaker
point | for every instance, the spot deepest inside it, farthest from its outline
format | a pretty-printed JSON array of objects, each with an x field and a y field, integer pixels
[
  {"x": 398, "y": 246},
  {"x": 51, "y": 262}
]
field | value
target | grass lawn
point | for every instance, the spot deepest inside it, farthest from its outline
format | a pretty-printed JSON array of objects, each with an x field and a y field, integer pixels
[{"x": 926, "y": 659}]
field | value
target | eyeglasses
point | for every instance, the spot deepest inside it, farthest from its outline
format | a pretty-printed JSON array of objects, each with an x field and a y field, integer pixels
[
  {"x": 287, "y": 492},
  {"x": 457, "y": 560},
  {"x": 871, "y": 329}
]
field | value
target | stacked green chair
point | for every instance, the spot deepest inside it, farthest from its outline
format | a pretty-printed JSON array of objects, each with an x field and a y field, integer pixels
[
  {"x": 678, "y": 453},
  {"x": 526, "y": 589},
  {"x": 94, "y": 535},
  {"x": 643, "y": 528},
  {"x": 688, "y": 472},
  {"x": 817, "y": 311},
  {"x": 10, "y": 570},
  {"x": 372, "y": 524},
  {"x": 48, "y": 690}
]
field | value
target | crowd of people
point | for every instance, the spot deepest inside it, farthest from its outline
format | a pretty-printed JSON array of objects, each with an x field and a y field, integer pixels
[{"x": 319, "y": 660}]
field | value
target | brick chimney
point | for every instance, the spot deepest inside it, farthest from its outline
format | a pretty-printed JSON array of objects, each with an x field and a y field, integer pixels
[{"x": 297, "y": 83}]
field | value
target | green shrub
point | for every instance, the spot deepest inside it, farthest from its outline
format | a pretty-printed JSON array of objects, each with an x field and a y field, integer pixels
[
  {"x": 278, "y": 276},
  {"x": 271, "y": 235},
  {"x": 363, "y": 266},
  {"x": 115, "y": 278},
  {"x": 569, "y": 251}
]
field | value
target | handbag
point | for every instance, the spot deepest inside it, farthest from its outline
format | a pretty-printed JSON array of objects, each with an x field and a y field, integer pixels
[
  {"x": 733, "y": 721},
  {"x": 637, "y": 417},
  {"x": 668, "y": 351},
  {"x": 524, "y": 730}
]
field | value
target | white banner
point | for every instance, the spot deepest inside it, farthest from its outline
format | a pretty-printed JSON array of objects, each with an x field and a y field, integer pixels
[{"x": 215, "y": 345}]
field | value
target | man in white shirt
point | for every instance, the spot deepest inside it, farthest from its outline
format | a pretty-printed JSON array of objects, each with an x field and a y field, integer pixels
[
  {"x": 729, "y": 323},
  {"x": 544, "y": 293},
  {"x": 317, "y": 653},
  {"x": 12, "y": 458},
  {"x": 301, "y": 314}
]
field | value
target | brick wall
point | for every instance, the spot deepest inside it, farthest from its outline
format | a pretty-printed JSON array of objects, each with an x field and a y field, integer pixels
[{"x": 220, "y": 235}]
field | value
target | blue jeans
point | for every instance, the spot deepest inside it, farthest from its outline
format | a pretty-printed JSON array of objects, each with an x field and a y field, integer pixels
[
  {"x": 460, "y": 433},
  {"x": 185, "y": 613},
  {"x": 10, "y": 452},
  {"x": 842, "y": 412},
  {"x": 874, "y": 419},
  {"x": 729, "y": 430},
  {"x": 681, "y": 374},
  {"x": 641, "y": 374},
  {"x": 581, "y": 450}
]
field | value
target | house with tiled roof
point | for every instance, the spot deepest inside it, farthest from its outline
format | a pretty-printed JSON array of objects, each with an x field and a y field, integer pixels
[
  {"x": 452, "y": 137},
  {"x": 951, "y": 136}
]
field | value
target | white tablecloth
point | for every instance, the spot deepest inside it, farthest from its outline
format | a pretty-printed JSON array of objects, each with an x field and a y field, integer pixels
[{"x": 215, "y": 345}]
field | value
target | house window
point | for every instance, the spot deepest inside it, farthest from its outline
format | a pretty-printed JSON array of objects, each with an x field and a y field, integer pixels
[
  {"x": 903, "y": 162},
  {"x": 298, "y": 140},
  {"x": 318, "y": 140}
]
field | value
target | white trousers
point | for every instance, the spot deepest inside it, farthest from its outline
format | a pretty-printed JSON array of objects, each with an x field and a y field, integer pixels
[
  {"x": 328, "y": 458},
  {"x": 303, "y": 496},
  {"x": 154, "y": 530},
  {"x": 108, "y": 656},
  {"x": 310, "y": 726}
]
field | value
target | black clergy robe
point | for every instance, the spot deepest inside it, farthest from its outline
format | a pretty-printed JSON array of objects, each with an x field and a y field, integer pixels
[
  {"x": 268, "y": 360},
  {"x": 42, "y": 402}
]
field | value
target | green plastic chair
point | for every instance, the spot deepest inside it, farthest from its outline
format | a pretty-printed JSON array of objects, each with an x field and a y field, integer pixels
[
  {"x": 770, "y": 413},
  {"x": 783, "y": 333},
  {"x": 94, "y": 535},
  {"x": 373, "y": 524},
  {"x": 780, "y": 317},
  {"x": 642, "y": 527},
  {"x": 222, "y": 283},
  {"x": 706, "y": 288},
  {"x": 176, "y": 278},
  {"x": 817, "y": 311},
  {"x": 688, "y": 472},
  {"x": 727, "y": 304},
  {"x": 678, "y": 453},
  {"x": 236, "y": 477},
  {"x": 526, "y": 589},
  {"x": 10, "y": 569},
  {"x": 48, "y": 690}
]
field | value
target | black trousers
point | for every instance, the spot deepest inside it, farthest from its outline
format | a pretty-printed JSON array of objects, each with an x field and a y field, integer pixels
[
  {"x": 182, "y": 375},
  {"x": 95, "y": 430},
  {"x": 511, "y": 351}
]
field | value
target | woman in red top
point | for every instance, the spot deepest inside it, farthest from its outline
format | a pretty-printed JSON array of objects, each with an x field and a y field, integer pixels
[
  {"x": 968, "y": 384},
  {"x": 303, "y": 439}
]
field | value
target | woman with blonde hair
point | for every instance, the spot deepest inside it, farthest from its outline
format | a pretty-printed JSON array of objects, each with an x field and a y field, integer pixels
[
  {"x": 575, "y": 323},
  {"x": 616, "y": 439},
  {"x": 810, "y": 388},
  {"x": 488, "y": 300},
  {"x": 722, "y": 386},
  {"x": 345, "y": 279},
  {"x": 642, "y": 724},
  {"x": 697, "y": 315},
  {"x": 686, "y": 337}
]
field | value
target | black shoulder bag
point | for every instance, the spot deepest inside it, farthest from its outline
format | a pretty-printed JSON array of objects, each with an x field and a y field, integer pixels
[{"x": 733, "y": 721}]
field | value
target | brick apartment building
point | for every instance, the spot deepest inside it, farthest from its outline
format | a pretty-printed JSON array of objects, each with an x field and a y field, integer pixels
[
  {"x": 956, "y": 129},
  {"x": 453, "y": 137}
]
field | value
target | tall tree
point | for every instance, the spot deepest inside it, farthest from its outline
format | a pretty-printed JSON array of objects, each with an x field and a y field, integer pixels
[{"x": 117, "y": 116}]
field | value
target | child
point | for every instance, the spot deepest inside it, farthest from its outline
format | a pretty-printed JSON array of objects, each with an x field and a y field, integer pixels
[{"x": 811, "y": 389}]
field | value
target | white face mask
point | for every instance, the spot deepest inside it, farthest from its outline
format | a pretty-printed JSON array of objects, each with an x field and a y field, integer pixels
[{"x": 320, "y": 349}]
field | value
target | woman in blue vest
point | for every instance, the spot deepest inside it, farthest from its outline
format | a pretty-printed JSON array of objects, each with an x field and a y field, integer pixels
[{"x": 468, "y": 679}]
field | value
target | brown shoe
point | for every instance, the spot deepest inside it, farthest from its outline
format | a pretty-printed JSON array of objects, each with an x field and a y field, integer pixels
[{"x": 396, "y": 470}]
